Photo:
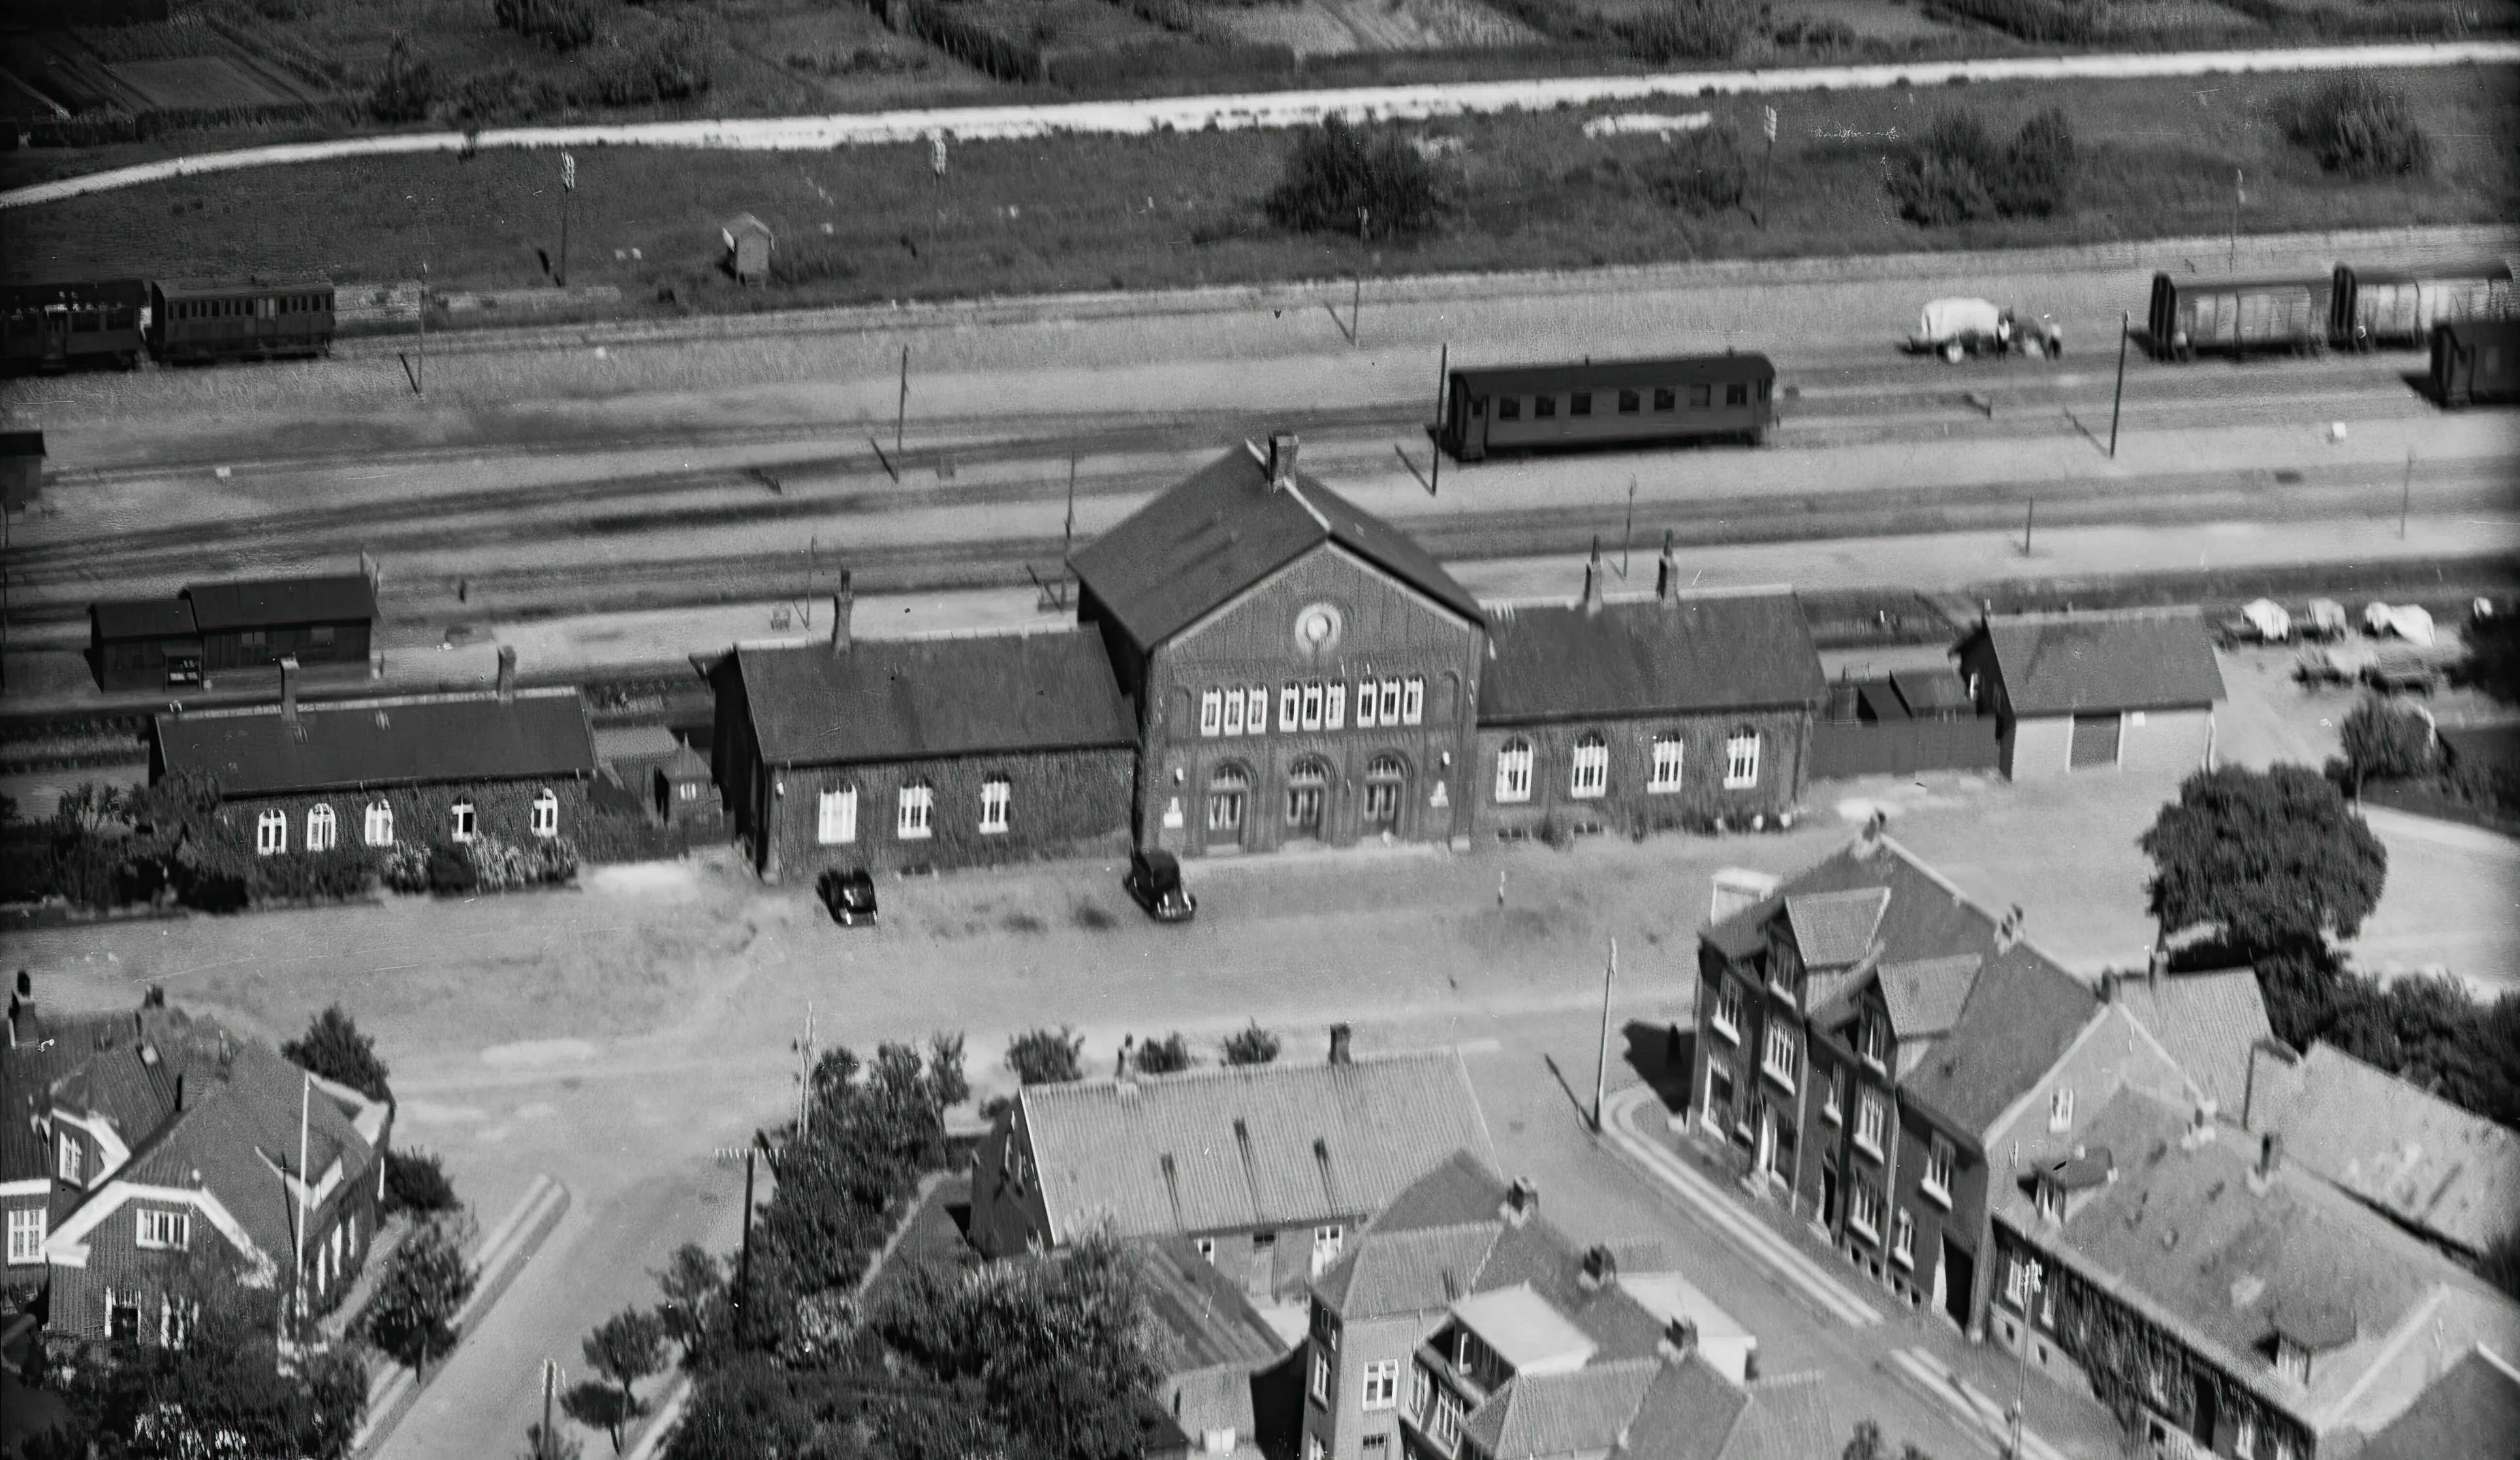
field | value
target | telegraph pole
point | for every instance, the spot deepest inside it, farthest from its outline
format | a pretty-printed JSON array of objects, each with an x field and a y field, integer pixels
[
  {"x": 1602, "y": 1067},
  {"x": 2126, "y": 327},
  {"x": 1768, "y": 173},
  {"x": 567, "y": 189},
  {"x": 550, "y": 1383},
  {"x": 743, "y": 1257},
  {"x": 901, "y": 411},
  {"x": 2406, "y": 494},
  {"x": 1443, "y": 402}
]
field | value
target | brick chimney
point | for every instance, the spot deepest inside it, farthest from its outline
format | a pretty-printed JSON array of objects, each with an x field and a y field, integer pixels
[
  {"x": 1593, "y": 581},
  {"x": 1679, "y": 1339},
  {"x": 289, "y": 689},
  {"x": 1341, "y": 1037},
  {"x": 1521, "y": 1202},
  {"x": 844, "y": 605},
  {"x": 506, "y": 673},
  {"x": 1667, "y": 576},
  {"x": 1281, "y": 459},
  {"x": 2007, "y": 934},
  {"x": 1601, "y": 1270}
]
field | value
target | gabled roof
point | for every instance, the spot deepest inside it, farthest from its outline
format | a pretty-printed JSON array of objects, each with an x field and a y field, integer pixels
[
  {"x": 249, "y": 603},
  {"x": 413, "y": 740},
  {"x": 896, "y": 700},
  {"x": 1930, "y": 691},
  {"x": 2207, "y": 1023},
  {"x": 1927, "y": 918},
  {"x": 1583, "y": 1411},
  {"x": 2412, "y": 1154},
  {"x": 1409, "y": 1270},
  {"x": 1197, "y": 1318},
  {"x": 1222, "y": 530},
  {"x": 2470, "y": 1410},
  {"x": 1700, "y": 653},
  {"x": 1925, "y": 997},
  {"x": 1261, "y": 1146},
  {"x": 2022, "y": 1012},
  {"x": 2121, "y": 659},
  {"x": 1834, "y": 929},
  {"x": 142, "y": 618},
  {"x": 1694, "y": 1412}
]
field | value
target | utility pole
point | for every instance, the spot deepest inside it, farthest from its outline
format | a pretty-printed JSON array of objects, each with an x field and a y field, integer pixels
[
  {"x": 1628, "y": 531},
  {"x": 2237, "y": 198},
  {"x": 2126, "y": 327},
  {"x": 901, "y": 411},
  {"x": 743, "y": 1257},
  {"x": 1067, "y": 532},
  {"x": 1768, "y": 173},
  {"x": 2029, "y": 524},
  {"x": 551, "y": 1383},
  {"x": 1601, "y": 1066},
  {"x": 420, "y": 312},
  {"x": 1355, "y": 310},
  {"x": 1443, "y": 403},
  {"x": 805, "y": 1076},
  {"x": 2032, "y": 1280},
  {"x": 2406, "y": 494},
  {"x": 936, "y": 165},
  {"x": 297, "y": 1288},
  {"x": 567, "y": 190}
]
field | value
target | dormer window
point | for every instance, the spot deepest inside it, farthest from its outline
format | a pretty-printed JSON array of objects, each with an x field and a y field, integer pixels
[
  {"x": 2051, "y": 1202},
  {"x": 2292, "y": 1362},
  {"x": 1872, "y": 1038},
  {"x": 2060, "y": 1109}
]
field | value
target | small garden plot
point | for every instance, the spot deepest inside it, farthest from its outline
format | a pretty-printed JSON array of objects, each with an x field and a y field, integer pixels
[
  {"x": 1333, "y": 28},
  {"x": 1801, "y": 22},
  {"x": 847, "y": 56},
  {"x": 199, "y": 82}
]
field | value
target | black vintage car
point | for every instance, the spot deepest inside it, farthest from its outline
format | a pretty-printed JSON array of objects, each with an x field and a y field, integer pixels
[
  {"x": 1155, "y": 881},
  {"x": 850, "y": 896}
]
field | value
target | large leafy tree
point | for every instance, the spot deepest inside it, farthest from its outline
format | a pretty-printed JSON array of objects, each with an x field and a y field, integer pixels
[
  {"x": 412, "y": 1316},
  {"x": 626, "y": 1347},
  {"x": 334, "y": 1048},
  {"x": 2270, "y": 861}
]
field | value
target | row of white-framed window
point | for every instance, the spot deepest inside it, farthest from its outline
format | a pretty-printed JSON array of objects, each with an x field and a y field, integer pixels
[
  {"x": 1243, "y": 710},
  {"x": 836, "y": 811},
  {"x": 1589, "y": 768},
  {"x": 323, "y": 827}
]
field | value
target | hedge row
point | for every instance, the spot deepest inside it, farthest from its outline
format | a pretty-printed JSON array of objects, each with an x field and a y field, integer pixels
[
  {"x": 2034, "y": 20},
  {"x": 1138, "y": 60}
]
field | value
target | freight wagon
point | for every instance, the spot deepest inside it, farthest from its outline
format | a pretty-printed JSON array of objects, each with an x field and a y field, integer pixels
[
  {"x": 2371, "y": 307},
  {"x": 201, "y": 322},
  {"x": 2237, "y": 315},
  {"x": 49, "y": 327},
  {"x": 1617, "y": 402},
  {"x": 2476, "y": 364}
]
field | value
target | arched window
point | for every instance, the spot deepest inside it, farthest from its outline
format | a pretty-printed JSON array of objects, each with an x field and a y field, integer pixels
[
  {"x": 546, "y": 819},
  {"x": 1666, "y": 765},
  {"x": 1383, "y": 779},
  {"x": 465, "y": 821},
  {"x": 1592, "y": 766},
  {"x": 997, "y": 796},
  {"x": 321, "y": 829},
  {"x": 1513, "y": 770},
  {"x": 1226, "y": 790},
  {"x": 270, "y": 833},
  {"x": 380, "y": 824},
  {"x": 1307, "y": 788},
  {"x": 916, "y": 812},
  {"x": 1741, "y": 759}
]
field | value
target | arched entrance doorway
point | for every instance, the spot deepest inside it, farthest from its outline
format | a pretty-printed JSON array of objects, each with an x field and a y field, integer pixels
[
  {"x": 1307, "y": 788},
  {"x": 1229, "y": 788},
  {"x": 1386, "y": 791}
]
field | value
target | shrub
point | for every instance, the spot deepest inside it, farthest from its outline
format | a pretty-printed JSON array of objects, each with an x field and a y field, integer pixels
[
  {"x": 406, "y": 867},
  {"x": 1704, "y": 172},
  {"x": 311, "y": 876},
  {"x": 1957, "y": 172},
  {"x": 503, "y": 96},
  {"x": 561, "y": 24},
  {"x": 1169, "y": 1055},
  {"x": 1341, "y": 178},
  {"x": 1044, "y": 1056},
  {"x": 405, "y": 89},
  {"x": 2384, "y": 742},
  {"x": 1251, "y": 1047},
  {"x": 450, "y": 871},
  {"x": 673, "y": 60},
  {"x": 2031, "y": 179},
  {"x": 2035, "y": 20},
  {"x": 1691, "y": 30},
  {"x": 415, "y": 1182},
  {"x": 2359, "y": 126},
  {"x": 334, "y": 1048}
]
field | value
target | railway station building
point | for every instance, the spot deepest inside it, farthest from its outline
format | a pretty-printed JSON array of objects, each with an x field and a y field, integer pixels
[{"x": 245, "y": 627}]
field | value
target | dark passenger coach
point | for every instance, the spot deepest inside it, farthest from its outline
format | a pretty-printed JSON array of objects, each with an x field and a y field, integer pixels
[
  {"x": 49, "y": 327},
  {"x": 206, "y": 322},
  {"x": 1611, "y": 402}
]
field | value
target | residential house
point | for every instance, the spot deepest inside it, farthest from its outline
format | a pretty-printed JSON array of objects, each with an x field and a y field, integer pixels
[
  {"x": 1462, "y": 1324},
  {"x": 423, "y": 769},
  {"x": 2132, "y": 687},
  {"x": 173, "y": 1151},
  {"x": 2225, "y": 1300},
  {"x": 1637, "y": 714},
  {"x": 2449, "y": 1177},
  {"x": 1265, "y": 1169},
  {"x": 1210, "y": 1347},
  {"x": 1303, "y": 673},
  {"x": 949, "y": 750}
]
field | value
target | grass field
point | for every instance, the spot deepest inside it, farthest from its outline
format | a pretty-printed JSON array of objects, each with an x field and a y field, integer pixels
[{"x": 1090, "y": 213}]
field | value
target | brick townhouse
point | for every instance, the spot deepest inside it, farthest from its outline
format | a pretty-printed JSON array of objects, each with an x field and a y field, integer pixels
[{"x": 169, "y": 1159}]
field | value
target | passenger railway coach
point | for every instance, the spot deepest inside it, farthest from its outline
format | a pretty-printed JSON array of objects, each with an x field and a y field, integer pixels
[
  {"x": 45, "y": 326},
  {"x": 209, "y": 320},
  {"x": 1617, "y": 402}
]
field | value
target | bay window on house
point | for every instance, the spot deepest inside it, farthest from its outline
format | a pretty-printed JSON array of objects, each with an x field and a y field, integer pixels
[
  {"x": 1864, "y": 1209},
  {"x": 1873, "y": 1039},
  {"x": 1777, "y": 1059},
  {"x": 1727, "y": 1008},
  {"x": 1938, "y": 1169}
]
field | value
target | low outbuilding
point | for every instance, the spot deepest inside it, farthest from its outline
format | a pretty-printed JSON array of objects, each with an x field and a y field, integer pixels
[
  {"x": 748, "y": 243},
  {"x": 2132, "y": 687}
]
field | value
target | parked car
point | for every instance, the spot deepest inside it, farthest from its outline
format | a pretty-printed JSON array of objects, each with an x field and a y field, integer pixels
[
  {"x": 850, "y": 895},
  {"x": 1155, "y": 881}
]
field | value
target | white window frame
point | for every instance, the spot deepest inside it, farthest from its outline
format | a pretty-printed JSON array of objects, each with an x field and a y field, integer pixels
[
  {"x": 26, "y": 1235},
  {"x": 72, "y": 1165},
  {"x": 2060, "y": 1109},
  {"x": 997, "y": 798},
  {"x": 835, "y": 816},
  {"x": 465, "y": 820},
  {"x": 271, "y": 834},
  {"x": 1742, "y": 759},
  {"x": 1872, "y": 1040},
  {"x": 915, "y": 812},
  {"x": 1514, "y": 771},
  {"x": 1334, "y": 705},
  {"x": 158, "y": 1229},
  {"x": 545, "y": 821},
  {"x": 1388, "y": 692},
  {"x": 1211, "y": 712},
  {"x": 1320, "y": 1377},
  {"x": 1777, "y": 1052},
  {"x": 1412, "y": 701},
  {"x": 1312, "y": 713},
  {"x": 1587, "y": 776},
  {"x": 1670, "y": 754},
  {"x": 1937, "y": 1179},
  {"x": 323, "y": 828},
  {"x": 1255, "y": 711},
  {"x": 380, "y": 829},
  {"x": 1864, "y": 1209},
  {"x": 1726, "y": 1014},
  {"x": 1872, "y": 1123},
  {"x": 1903, "y": 1238},
  {"x": 1368, "y": 704},
  {"x": 1832, "y": 1108},
  {"x": 1328, "y": 1243},
  {"x": 1236, "y": 704},
  {"x": 1381, "y": 1385},
  {"x": 1290, "y": 706},
  {"x": 1206, "y": 1249}
]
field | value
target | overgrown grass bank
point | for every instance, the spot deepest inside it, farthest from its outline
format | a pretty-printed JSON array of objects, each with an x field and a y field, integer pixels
[{"x": 2154, "y": 159}]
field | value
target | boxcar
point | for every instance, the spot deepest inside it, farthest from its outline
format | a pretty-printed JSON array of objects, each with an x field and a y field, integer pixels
[
  {"x": 46, "y": 326},
  {"x": 2477, "y": 362},
  {"x": 2375, "y": 307},
  {"x": 2236, "y": 316},
  {"x": 259, "y": 321},
  {"x": 1615, "y": 402}
]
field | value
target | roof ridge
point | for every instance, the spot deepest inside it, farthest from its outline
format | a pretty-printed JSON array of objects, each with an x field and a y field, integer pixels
[
  {"x": 1294, "y": 488},
  {"x": 1213, "y": 1072},
  {"x": 382, "y": 702}
]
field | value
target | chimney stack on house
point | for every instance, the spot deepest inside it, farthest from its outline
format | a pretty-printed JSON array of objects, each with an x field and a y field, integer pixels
[
  {"x": 2270, "y": 1161},
  {"x": 2200, "y": 1125},
  {"x": 289, "y": 689},
  {"x": 843, "y": 607},
  {"x": 506, "y": 673},
  {"x": 1521, "y": 1200},
  {"x": 1593, "y": 581},
  {"x": 1601, "y": 1270},
  {"x": 1679, "y": 1339},
  {"x": 1667, "y": 576},
  {"x": 1281, "y": 460},
  {"x": 2007, "y": 934},
  {"x": 1341, "y": 1037}
]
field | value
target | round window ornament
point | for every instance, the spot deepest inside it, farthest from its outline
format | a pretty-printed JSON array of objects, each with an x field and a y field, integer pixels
[{"x": 1317, "y": 628}]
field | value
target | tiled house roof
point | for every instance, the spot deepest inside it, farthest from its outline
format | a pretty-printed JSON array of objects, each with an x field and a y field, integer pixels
[
  {"x": 1924, "y": 998},
  {"x": 1583, "y": 1412},
  {"x": 1261, "y": 1146},
  {"x": 1199, "y": 1318},
  {"x": 1834, "y": 929},
  {"x": 2120, "y": 659},
  {"x": 247, "y": 603},
  {"x": 1224, "y": 529},
  {"x": 2208, "y": 1023},
  {"x": 409, "y": 740},
  {"x": 2022, "y": 1012},
  {"x": 2412, "y": 1154},
  {"x": 2469, "y": 1412},
  {"x": 1695, "y": 653},
  {"x": 911, "y": 698}
]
